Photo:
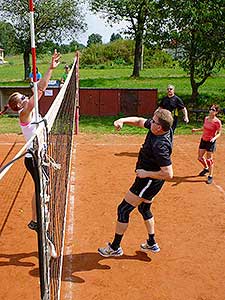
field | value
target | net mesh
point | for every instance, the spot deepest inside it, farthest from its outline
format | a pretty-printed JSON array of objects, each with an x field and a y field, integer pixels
[
  {"x": 60, "y": 145},
  {"x": 52, "y": 150}
]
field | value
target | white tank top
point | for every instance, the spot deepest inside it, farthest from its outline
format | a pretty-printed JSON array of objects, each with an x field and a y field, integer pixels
[{"x": 28, "y": 130}]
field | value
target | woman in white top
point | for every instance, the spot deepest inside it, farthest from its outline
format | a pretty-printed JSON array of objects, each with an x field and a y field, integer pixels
[{"x": 25, "y": 108}]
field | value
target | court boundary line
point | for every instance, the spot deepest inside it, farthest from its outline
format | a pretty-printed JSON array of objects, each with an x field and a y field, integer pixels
[{"x": 68, "y": 244}]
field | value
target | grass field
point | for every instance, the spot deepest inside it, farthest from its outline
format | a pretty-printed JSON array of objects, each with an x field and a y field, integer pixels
[
  {"x": 212, "y": 91},
  {"x": 96, "y": 125},
  {"x": 13, "y": 74}
]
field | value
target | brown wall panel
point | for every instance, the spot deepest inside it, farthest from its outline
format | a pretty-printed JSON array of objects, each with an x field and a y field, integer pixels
[
  {"x": 97, "y": 102},
  {"x": 109, "y": 102},
  {"x": 89, "y": 102},
  {"x": 129, "y": 102},
  {"x": 147, "y": 101}
]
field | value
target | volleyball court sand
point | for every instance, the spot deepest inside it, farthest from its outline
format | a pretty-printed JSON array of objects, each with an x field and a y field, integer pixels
[{"x": 189, "y": 218}]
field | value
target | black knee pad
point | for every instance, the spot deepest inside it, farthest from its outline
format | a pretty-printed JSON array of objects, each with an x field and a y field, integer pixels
[
  {"x": 145, "y": 211},
  {"x": 123, "y": 211}
]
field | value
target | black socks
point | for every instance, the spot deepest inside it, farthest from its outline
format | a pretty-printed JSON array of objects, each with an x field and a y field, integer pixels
[
  {"x": 151, "y": 239},
  {"x": 116, "y": 242}
]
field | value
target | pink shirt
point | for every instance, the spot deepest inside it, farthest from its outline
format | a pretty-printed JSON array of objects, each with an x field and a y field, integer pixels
[{"x": 210, "y": 128}]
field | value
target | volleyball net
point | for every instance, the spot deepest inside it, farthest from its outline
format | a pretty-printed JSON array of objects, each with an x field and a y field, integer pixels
[{"x": 52, "y": 153}]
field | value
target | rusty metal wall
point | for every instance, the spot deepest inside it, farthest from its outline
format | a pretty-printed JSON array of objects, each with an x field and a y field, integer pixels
[
  {"x": 98, "y": 102},
  {"x": 111, "y": 102}
]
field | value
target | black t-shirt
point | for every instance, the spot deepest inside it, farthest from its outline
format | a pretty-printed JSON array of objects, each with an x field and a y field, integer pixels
[
  {"x": 171, "y": 103},
  {"x": 156, "y": 150}
]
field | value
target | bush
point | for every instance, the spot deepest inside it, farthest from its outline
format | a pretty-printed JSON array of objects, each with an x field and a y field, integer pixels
[{"x": 157, "y": 59}]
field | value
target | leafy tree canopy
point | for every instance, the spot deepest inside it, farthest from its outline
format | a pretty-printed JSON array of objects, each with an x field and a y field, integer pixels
[
  {"x": 55, "y": 20},
  {"x": 115, "y": 36},
  {"x": 7, "y": 38},
  {"x": 135, "y": 12},
  {"x": 94, "y": 38},
  {"x": 197, "y": 29}
]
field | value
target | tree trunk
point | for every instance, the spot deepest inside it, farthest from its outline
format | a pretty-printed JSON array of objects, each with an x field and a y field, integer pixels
[
  {"x": 26, "y": 62},
  {"x": 194, "y": 85},
  {"x": 194, "y": 94},
  {"x": 137, "y": 56}
]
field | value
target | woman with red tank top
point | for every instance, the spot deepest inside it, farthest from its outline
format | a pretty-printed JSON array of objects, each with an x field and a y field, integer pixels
[{"x": 212, "y": 128}]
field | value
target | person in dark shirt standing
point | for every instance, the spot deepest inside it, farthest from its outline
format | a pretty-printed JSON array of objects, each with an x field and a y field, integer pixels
[
  {"x": 153, "y": 167},
  {"x": 173, "y": 103}
]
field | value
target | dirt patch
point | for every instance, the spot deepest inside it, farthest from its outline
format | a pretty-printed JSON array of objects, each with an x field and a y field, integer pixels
[{"x": 189, "y": 218}]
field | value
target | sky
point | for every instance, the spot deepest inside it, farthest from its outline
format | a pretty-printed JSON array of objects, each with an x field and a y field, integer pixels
[{"x": 97, "y": 25}]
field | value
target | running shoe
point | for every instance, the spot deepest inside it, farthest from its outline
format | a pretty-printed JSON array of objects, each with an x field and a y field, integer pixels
[
  {"x": 33, "y": 225},
  {"x": 203, "y": 172},
  {"x": 153, "y": 248},
  {"x": 108, "y": 251},
  {"x": 209, "y": 180}
]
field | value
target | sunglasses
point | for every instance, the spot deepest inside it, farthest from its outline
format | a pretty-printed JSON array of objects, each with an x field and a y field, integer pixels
[
  {"x": 169, "y": 89},
  {"x": 23, "y": 97},
  {"x": 154, "y": 122},
  {"x": 213, "y": 109}
]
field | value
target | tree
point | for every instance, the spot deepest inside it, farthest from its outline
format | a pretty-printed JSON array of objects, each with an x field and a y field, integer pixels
[
  {"x": 7, "y": 38},
  {"x": 94, "y": 38},
  {"x": 136, "y": 13},
  {"x": 115, "y": 36},
  {"x": 54, "y": 20},
  {"x": 196, "y": 27}
]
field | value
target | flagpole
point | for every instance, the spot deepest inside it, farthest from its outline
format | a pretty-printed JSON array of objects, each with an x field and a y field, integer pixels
[{"x": 34, "y": 65}]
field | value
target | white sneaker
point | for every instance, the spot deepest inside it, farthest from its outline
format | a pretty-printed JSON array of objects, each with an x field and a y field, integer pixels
[
  {"x": 108, "y": 251},
  {"x": 146, "y": 247}
]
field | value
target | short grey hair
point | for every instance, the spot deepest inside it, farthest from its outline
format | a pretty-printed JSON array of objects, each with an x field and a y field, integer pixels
[{"x": 170, "y": 86}]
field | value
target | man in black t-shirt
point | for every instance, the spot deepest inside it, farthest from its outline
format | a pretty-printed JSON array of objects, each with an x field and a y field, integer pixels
[
  {"x": 153, "y": 167},
  {"x": 173, "y": 103}
]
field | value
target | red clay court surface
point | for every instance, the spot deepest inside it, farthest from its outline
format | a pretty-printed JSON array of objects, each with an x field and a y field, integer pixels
[{"x": 189, "y": 218}]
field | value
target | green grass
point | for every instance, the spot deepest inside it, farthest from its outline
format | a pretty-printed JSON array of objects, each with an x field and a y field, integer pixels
[
  {"x": 213, "y": 90},
  {"x": 9, "y": 124},
  {"x": 95, "y": 125}
]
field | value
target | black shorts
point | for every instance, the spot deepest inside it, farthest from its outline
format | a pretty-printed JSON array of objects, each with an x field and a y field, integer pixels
[
  {"x": 30, "y": 166},
  {"x": 207, "y": 145},
  {"x": 146, "y": 188}
]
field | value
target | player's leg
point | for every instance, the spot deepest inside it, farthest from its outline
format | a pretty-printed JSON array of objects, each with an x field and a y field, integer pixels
[
  {"x": 29, "y": 163},
  {"x": 145, "y": 210},
  {"x": 124, "y": 209},
  {"x": 211, "y": 148},
  {"x": 210, "y": 162},
  {"x": 202, "y": 160}
]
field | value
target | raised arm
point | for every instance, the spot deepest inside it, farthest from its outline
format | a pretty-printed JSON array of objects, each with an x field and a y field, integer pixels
[
  {"x": 133, "y": 121},
  {"x": 43, "y": 83}
]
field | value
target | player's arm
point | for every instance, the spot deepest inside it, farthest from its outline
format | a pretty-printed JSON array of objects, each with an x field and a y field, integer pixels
[
  {"x": 197, "y": 129},
  {"x": 218, "y": 134},
  {"x": 133, "y": 121},
  {"x": 43, "y": 83},
  {"x": 185, "y": 113},
  {"x": 165, "y": 173}
]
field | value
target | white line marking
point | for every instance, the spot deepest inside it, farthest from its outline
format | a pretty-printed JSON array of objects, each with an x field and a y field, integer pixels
[
  {"x": 220, "y": 189},
  {"x": 68, "y": 248}
]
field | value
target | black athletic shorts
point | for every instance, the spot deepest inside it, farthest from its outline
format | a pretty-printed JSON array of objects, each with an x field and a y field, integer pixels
[
  {"x": 207, "y": 145},
  {"x": 146, "y": 188},
  {"x": 29, "y": 163}
]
